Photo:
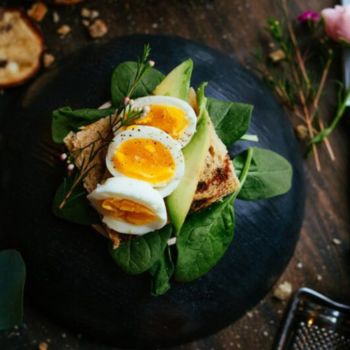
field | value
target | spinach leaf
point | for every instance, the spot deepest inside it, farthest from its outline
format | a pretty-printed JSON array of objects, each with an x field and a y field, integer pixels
[
  {"x": 65, "y": 120},
  {"x": 203, "y": 240},
  {"x": 77, "y": 208},
  {"x": 138, "y": 255},
  {"x": 230, "y": 119},
  {"x": 269, "y": 175},
  {"x": 12, "y": 278},
  {"x": 207, "y": 234},
  {"x": 161, "y": 273},
  {"x": 123, "y": 78}
]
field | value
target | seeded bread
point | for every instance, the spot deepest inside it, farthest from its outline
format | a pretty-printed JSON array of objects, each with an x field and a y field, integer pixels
[{"x": 21, "y": 47}]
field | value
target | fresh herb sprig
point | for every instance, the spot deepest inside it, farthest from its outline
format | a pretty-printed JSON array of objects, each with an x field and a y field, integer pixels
[
  {"x": 124, "y": 115},
  {"x": 143, "y": 64},
  {"x": 290, "y": 68}
]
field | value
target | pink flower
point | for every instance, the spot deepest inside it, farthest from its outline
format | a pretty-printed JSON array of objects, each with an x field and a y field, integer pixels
[
  {"x": 337, "y": 22},
  {"x": 307, "y": 16}
]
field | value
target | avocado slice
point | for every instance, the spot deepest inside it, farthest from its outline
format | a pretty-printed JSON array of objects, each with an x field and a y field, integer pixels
[
  {"x": 177, "y": 82},
  {"x": 179, "y": 202}
]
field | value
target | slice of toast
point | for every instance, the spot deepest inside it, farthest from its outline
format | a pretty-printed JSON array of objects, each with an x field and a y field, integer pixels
[
  {"x": 218, "y": 178},
  {"x": 21, "y": 47}
]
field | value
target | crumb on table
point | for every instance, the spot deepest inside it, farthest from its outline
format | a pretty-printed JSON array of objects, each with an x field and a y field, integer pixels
[
  {"x": 98, "y": 29},
  {"x": 283, "y": 291},
  {"x": 37, "y": 11},
  {"x": 63, "y": 30}
]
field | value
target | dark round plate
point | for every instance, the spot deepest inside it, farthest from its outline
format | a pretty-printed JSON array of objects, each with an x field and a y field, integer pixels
[{"x": 70, "y": 273}]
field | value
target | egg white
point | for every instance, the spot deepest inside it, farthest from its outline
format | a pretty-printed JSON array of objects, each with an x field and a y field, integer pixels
[
  {"x": 190, "y": 114},
  {"x": 149, "y": 132},
  {"x": 137, "y": 191}
]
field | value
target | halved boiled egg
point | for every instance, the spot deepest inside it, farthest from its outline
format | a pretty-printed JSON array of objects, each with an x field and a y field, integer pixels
[
  {"x": 170, "y": 114},
  {"x": 129, "y": 206},
  {"x": 148, "y": 154}
]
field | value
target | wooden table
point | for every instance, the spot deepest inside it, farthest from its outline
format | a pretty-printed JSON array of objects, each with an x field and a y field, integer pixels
[{"x": 236, "y": 28}]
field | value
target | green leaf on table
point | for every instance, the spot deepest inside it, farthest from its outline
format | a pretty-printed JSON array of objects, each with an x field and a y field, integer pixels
[
  {"x": 139, "y": 254},
  {"x": 230, "y": 119},
  {"x": 123, "y": 78},
  {"x": 269, "y": 175},
  {"x": 161, "y": 273},
  {"x": 77, "y": 208},
  {"x": 203, "y": 240},
  {"x": 12, "y": 278},
  {"x": 65, "y": 120}
]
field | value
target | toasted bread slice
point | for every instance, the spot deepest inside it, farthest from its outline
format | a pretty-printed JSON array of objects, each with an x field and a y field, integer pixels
[
  {"x": 218, "y": 178},
  {"x": 21, "y": 47},
  {"x": 91, "y": 139}
]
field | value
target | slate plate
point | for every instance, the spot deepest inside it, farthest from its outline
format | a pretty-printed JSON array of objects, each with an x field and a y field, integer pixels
[{"x": 71, "y": 276}]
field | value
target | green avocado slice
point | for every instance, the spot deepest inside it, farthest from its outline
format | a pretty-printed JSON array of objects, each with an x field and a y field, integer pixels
[
  {"x": 179, "y": 202},
  {"x": 177, "y": 82}
]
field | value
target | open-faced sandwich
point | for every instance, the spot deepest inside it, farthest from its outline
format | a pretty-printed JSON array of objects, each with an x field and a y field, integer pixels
[{"x": 150, "y": 171}]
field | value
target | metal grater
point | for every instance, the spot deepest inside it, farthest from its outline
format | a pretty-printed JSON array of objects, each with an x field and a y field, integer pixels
[{"x": 315, "y": 322}]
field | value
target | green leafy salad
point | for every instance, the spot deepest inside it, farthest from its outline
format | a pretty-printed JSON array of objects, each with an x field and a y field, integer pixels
[{"x": 150, "y": 171}]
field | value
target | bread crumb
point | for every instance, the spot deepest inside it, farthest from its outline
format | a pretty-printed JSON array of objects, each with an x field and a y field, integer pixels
[
  {"x": 85, "y": 22},
  {"x": 319, "y": 277},
  {"x": 94, "y": 14},
  {"x": 43, "y": 346},
  {"x": 98, "y": 29},
  {"x": 277, "y": 56},
  {"x": 48, "y": 60},
  {"x": 89, "y": 14},
  {"x": 283, "y": 291},
  {"x": 63, "y": 30},
  {"x": 249, "y": 314},
  {"x": 37, "y": 11},
  {"x": 336, "y": 241},
  {"x": 55, "y": 17},
  {"x": 301, "y": 132},
  {"x": 85, "y": 12},
  {"x": 300, "y": 265}
]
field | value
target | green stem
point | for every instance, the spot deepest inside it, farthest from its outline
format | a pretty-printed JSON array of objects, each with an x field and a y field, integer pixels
[
  {"x": 249, "y": 137},
  {"x": 245, "y": 170},
  {"x": 327, "y": 131}
]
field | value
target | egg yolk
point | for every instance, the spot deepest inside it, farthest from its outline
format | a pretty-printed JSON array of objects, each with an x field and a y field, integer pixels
[
  {"x": 170, "y": 119},
  {"x": 144, "y": 159},
  {"x": 128, "y": 211}
]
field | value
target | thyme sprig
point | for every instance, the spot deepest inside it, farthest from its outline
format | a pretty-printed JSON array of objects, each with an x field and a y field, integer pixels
[
  {"x": 124, "y": 115},
  {"x": 290, "y": 67}
]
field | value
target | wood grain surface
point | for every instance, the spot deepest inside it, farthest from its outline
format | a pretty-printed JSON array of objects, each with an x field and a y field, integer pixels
[{"x": 236, "y": 28}]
